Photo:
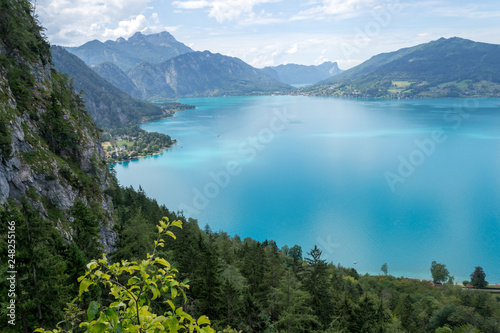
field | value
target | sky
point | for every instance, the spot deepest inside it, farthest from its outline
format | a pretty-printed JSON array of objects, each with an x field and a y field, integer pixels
[{"x": 273, "y": 32}]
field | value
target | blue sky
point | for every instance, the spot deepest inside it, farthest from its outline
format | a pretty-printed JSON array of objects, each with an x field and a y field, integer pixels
[{"x": 273, "y": 32}]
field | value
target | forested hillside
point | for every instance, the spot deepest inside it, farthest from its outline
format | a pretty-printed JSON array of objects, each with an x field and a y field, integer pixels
[
  {"x": 259, "y": 287},
  {"x": 262, "y": 287},
  {"x": 109, "y": 106},
  {"x": 452, "y": 67}
]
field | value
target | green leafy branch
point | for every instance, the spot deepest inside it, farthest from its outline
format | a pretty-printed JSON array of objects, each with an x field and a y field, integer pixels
[{"x": 148, "y": 280}]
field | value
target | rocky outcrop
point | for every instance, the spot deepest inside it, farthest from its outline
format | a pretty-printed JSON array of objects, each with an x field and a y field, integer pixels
[{"x": 50, "y": 154}]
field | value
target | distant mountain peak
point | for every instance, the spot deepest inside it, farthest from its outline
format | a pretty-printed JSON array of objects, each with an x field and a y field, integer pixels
[
  {"x": 138, "y": 36},
  {"x": 126, "y": 54},
  {"x": 163, "y": 38}
]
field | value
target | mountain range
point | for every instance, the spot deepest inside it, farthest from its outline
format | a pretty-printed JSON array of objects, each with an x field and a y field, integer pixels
[
  {"x": 301, "y": 74},
  {"x": 157, "y": 67},
  {"x": 452, "y": 67},
  {"x": 128, "y": 53}
]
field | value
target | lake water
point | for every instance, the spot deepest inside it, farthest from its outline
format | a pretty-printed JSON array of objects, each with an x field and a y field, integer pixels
[{"x": 402, "y": 182}]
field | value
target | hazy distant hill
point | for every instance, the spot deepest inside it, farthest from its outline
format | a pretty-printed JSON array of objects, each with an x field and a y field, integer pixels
[
  {"x": 108, "y": 105},
  {"x": 453, "y": 67},
  {"x": 125, "y": 54},
  {"x": 301, "y": 74}
]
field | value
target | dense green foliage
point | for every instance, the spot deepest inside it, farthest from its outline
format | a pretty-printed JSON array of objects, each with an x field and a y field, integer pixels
[
  {"x": 249, "y": 285},
  {"x": 451, "y": 67},
  {"x": 5, "y": 139},
  {"x": 133, "y": 286},
  {"x": 126, "y": 143},
  {"x": 43, "y": 267},
  {"x": 21, "y": 33},
  {"x": 257, "y": 287}
]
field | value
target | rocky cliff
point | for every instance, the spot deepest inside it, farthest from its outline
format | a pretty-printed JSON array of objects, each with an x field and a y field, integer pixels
[{"x": 50, "y": 155}]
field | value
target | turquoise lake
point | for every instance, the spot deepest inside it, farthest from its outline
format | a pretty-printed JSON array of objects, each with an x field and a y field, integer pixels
[{"x": 402, "y": 182}]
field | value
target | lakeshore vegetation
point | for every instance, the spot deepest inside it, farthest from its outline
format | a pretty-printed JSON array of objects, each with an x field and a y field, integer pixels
[{"x": 128, "y": 143}]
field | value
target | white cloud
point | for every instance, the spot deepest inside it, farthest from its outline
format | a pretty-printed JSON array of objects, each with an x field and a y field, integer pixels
[
  {"x": 339, "y": 8},
  {"x": 322, "y": 58},
  {"x": 78, "y": 21},
  {"x": 303, "y": 44},
  {"x": 468, "y": 11},
  {"x": 267, "y": 55},
  {"x": 296, "y": 50},
  {"x": 346, "y": 64},
  {"x": 155, "y": 18},
  {"x": 224, "y": 10},
  {"x": 192, "y": 4},
  {"x": 171, "y": 28},
  {"x": 127, "y": 28},
  {"x": 260, "y": 19}
]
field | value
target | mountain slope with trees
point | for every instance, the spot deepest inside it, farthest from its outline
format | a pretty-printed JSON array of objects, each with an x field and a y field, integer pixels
[
  {"x": 453, "y": 67},
  {"x": 109, "y": 106},
  {"x": 53, "y": 178}
]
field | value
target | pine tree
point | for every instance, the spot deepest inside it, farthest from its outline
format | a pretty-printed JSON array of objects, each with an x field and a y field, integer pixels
[
  {"x": 207, "y": 286},
  {"x": 404, "y": 311},
  {"x": 293, "y": 304},
  {"x": 86, "y": 230},
  {"x": 42, "y": 276},
  {"x": 135, "y": 238},
  {"x": 316, "y": 283},
  {"x": 231, "y": 303}
]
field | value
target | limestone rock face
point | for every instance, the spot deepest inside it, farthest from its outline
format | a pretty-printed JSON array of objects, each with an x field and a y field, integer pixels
[{"x": 50, "y": 155}]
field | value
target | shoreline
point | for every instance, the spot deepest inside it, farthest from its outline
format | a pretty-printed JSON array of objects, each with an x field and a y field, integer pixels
[{"x": 150, "y": 155}]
